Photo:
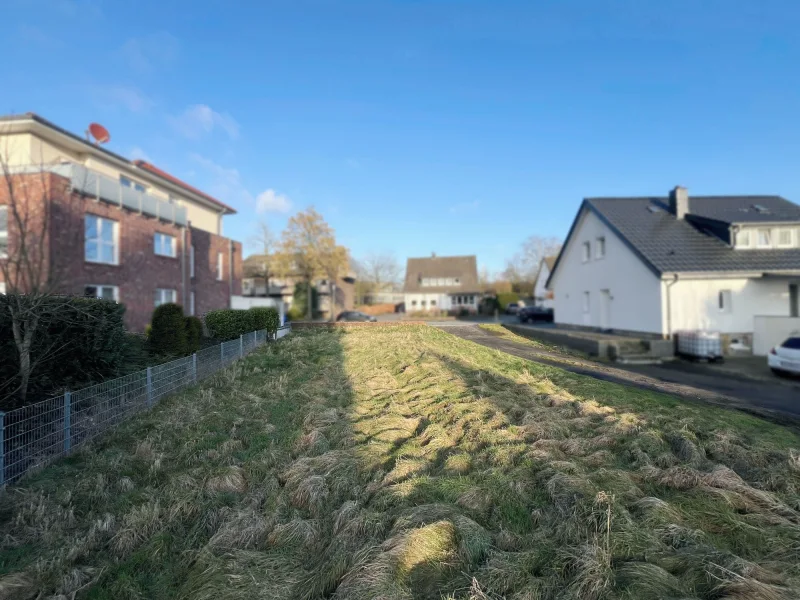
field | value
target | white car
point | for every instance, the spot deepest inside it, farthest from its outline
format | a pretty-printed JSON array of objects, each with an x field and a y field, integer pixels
[{"x": 785, "y": 358}]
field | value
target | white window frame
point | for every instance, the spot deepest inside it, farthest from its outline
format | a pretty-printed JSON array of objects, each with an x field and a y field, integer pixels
[
  {"x": 98, "y": 226},
  {"x": 161, "y": 292},
  {"x": 4, "y": 233},
  {"x": 220, "y": 266},
  {"x": 587, "y": 251},
  {"x": 790, "y": 232},
  {"x": 725, "y": 301},
  {"x": 600, "y": 247},
  {"x": 158, "y": 235},
  {"x": 191, "y": 303},
  {"x": 191, "y": 261},
  {"x": 769, "y": 237},
  {"x": 742, "y": 236},
  {"x": 99, "y": 288}
]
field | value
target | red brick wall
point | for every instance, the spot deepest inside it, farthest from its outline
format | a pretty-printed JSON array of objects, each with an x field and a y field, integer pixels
[{"x": 210, "y": 293}]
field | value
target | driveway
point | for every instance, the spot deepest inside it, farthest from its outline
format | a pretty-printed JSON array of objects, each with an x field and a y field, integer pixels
[{"x": 776, "y": 400}]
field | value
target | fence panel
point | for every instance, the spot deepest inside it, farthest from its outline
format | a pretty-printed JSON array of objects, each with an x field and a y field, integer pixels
[{"x": 35, "y": 435}]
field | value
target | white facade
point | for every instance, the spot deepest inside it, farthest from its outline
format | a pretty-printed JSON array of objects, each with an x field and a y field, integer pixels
[
  {"x": 611, "y": 288},
  {"x": 543, "y": 296},
  {"x": 416, "y": 302}
]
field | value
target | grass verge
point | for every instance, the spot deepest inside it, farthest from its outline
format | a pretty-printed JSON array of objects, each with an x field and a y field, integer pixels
[{"x": 403, "y": 462}]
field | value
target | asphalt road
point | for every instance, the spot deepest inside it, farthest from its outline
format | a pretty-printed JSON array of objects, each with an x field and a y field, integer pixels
[{"x": 777, "y": 401}]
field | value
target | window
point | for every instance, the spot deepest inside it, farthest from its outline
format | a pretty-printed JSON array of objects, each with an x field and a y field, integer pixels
[
  {"x": 101, "y": 240},
  {"x": 191, "y": 303},
  {"x": 132, "y": 184},
  {"x": 792, "y": 343},
  {"x": 764, "y": 238},
  {"x": 472, "y": 299},
  {"x": 191, "y": 261},
  {"x": 724, "y": 301},
  {"x": 413, "y": 303},
  {"x": 433, "y": 302},
  {"x": 164, "y": 245},
  {"x": 3, "y": 231},
  {"x": 785, "y": 238},
  {"x": 422, "y": 303},
  {"x": 743, "y": 238},
  {"x": 104, "y": 292},
  {"x": 587, "y": 251},
  {"x": 600, "y": 248},
  {"x": 219, "y": 266},
  {"x": 165, "y": 296},
  {"x": 2, "y": 287},
  {"x": 586, "y": 302}
]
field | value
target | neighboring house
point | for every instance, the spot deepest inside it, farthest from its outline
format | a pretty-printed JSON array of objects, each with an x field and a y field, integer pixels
[
  {"x": 662, "y": 265},
  {"x": 282, "y": 288},
  {"x": 119, "y": 229},
  {"x": 385, "y": 293},
  {"x": 448, "y": 283},
  {"x": 541, "y": 295}
]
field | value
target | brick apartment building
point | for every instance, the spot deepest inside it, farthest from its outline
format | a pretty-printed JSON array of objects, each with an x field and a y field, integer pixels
[{"x": 117, "y": 229}]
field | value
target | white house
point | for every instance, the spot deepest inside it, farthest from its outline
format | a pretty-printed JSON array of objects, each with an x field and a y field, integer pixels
[
  {"x": 662, "y": 265},
  {"x": 448, "y": 283},
  {"x": 542, "y": 296}
]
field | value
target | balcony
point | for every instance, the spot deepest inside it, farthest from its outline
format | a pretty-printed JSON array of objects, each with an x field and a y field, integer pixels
[{"x": 110, "y": 190}]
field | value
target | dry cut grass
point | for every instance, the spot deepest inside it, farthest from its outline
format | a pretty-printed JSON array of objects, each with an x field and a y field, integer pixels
[{"x": 405, "y": 463}]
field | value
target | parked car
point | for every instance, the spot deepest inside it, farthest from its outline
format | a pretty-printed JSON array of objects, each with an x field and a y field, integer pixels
[
  {"x": 354, "y": 315},
  {"x": 535, "y": 313},
  {"x": 785, "y": 359},
  {"x": 512, "y": 308}
]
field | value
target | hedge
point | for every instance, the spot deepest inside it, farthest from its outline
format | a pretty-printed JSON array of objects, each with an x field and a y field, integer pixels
[
  {"x": 194, "y": 334},
  {"x": 229, "y": 324},
  {"x": 79, "y": 341},
  {"x": 168, "y": 330},
  {"x": 265, "y": 317},
  {"x": 506, "y": 298}
]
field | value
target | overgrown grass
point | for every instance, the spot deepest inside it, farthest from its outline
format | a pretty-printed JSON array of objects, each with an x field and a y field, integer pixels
[{"x": 402, "y": 462}]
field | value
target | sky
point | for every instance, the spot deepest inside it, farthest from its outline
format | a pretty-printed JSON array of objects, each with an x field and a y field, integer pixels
[{"x": 455, "y": 127}]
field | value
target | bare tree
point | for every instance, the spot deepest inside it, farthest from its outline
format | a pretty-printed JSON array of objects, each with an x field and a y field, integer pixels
[
  {"x": 263, "y": 242},
  {"x": 31, "y": 271},
  {"x": 381, "y": 269},
  {"x": 524, "y": 265}
]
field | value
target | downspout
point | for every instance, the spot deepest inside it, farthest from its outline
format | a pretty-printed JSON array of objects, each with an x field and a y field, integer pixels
[
  {"x": 669, "y": 285},
  {"x": 183, "y": 267}
]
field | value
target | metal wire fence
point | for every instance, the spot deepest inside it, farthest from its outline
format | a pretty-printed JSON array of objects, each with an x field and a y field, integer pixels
[{"x": 35, "y": 435}]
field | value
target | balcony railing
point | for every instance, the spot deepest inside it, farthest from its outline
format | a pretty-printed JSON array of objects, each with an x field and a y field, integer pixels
[{"x": 110, "y": 190}]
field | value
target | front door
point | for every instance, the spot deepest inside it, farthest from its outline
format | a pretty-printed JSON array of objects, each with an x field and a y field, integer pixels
[
  {"x": 794, "y": 300},
  {"x": 605, "y": 309}
]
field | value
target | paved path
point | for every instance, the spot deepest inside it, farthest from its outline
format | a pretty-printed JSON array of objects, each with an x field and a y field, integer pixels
[{"x": 776, "y": 401}]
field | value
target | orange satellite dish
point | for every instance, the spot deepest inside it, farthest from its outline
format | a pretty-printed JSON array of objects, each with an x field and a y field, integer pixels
[{"x": 99, "y": 133}]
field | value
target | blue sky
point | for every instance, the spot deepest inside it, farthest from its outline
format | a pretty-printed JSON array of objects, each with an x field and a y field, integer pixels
[{"x": 458, "y": 127}]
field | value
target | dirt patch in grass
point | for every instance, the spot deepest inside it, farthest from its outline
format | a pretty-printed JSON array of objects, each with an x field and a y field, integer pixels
[{"x": 403, "y": 462}]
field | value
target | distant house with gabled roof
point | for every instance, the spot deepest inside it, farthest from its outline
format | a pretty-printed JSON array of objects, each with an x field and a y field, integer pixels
[
  {"x": 437, "y": 283},
  {"x": 541, "y": 295},
  {"x": 659, "y": 265}
]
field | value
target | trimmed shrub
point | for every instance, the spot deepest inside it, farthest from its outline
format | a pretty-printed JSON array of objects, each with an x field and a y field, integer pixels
[
  {"x": 294, "y": 314},
  {"x": 229, "y": 324},
  {"x": 194, "y": 334},
  {"x": 265, "y": 317},
  {"x": 168, "y": 331},
  {"x": 506, "y": 298},
  {"x": 300, "y": 300},
  {"x": 79, "y": 341}
]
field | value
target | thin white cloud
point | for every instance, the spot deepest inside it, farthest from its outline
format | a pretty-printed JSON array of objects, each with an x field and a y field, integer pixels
[
  {"x": 271, "y": 201},
  {"x": 465, "y": 207},
  {"x": 137, "y": 153},
  {"x": 224, "y": 183},
  {"x": 120, "y": 96},
  {"x": 145, "y": 54},
  {"x": 200, "y": 120}
]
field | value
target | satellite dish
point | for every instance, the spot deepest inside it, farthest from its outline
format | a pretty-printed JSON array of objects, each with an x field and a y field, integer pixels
[{"x": 99, "y": 133}]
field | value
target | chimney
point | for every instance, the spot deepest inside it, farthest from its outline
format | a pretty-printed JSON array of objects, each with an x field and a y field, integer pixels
[{"x": 679, "y": 202}]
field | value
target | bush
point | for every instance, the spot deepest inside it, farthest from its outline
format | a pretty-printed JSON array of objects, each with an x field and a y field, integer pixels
[
  {"x": 293, "y": 314},
  {"x": 506, "y": 298},
  {"x": 300, "y": 300},
  {"x": 79, "y": 341},
  {"x": 194, "y": 334},
  {"x": 229, "y": 324},
  {"x": 168, "y": 330},
  {"x": 265, "y": 317}
]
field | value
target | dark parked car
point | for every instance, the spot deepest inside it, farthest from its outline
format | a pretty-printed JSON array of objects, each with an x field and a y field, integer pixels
[
  {"x": 535, "y": 313},
  {"x": 354, "y": 315}
]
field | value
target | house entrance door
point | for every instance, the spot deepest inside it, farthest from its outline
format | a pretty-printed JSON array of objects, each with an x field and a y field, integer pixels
[{"x": 605, "y": 309}]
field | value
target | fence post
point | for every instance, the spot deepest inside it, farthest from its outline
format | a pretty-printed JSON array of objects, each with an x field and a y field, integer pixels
[
  {"x": 149, "y": 386},
  {"x": 241, "y": 346},
  {"x": 67, "y": 421},
  {"x": 194, "y": 367},
  {"x": 2, "y": 448}
]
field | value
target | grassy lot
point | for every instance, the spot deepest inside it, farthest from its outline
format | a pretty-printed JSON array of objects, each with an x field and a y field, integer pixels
[{"x": 402, "y": 463}]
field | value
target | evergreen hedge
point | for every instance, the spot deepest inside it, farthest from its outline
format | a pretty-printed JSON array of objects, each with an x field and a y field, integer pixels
[{"x": 168, "y": 330}]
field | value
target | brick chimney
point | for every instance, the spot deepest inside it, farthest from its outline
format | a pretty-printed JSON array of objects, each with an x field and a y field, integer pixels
[{"x": 679, "y": 201}]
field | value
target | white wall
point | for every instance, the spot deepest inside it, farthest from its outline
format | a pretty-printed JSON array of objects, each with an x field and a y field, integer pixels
[
  {"x": 770, "y": 331},
  {"x": 443, "y": 302},
  {"x": 695, "y": 303},
  {"x": 245, "y": 302},
  {"x": 539, "y": 291},
  {"x": 635, "y": 291}
]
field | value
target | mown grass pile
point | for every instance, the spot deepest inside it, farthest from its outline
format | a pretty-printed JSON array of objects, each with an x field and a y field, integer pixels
[{"x": 403, "y": 463}]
